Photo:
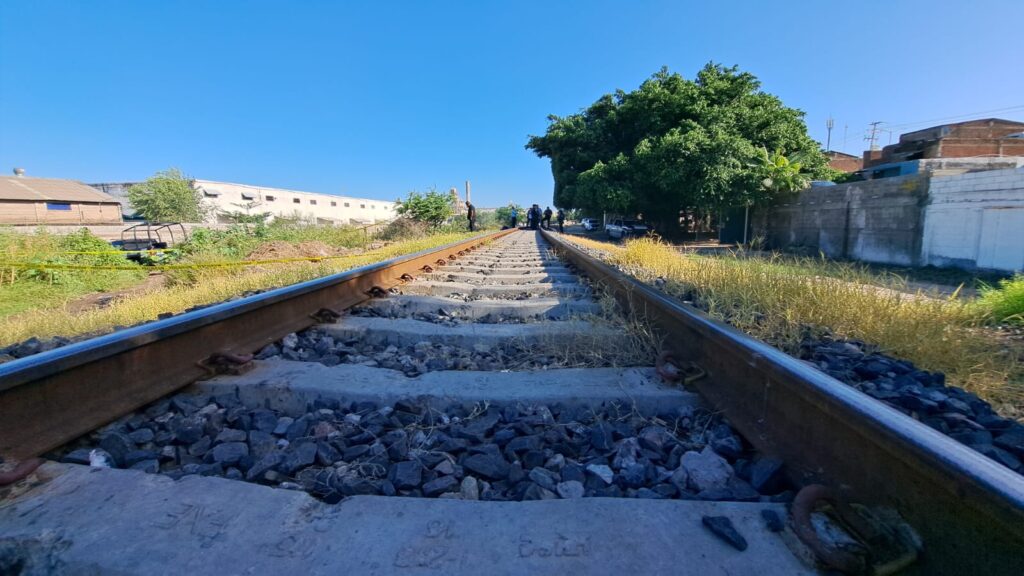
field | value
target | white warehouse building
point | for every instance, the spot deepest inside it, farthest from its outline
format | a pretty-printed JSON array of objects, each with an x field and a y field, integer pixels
[{"x": 227, "y": 197}]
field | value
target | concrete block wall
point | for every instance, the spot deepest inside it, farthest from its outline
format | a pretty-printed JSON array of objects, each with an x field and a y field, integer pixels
[
  {"x": 876, "y": 220},
  {"x": 976, "y": 220},
  {"x": 973, "y": 220}
]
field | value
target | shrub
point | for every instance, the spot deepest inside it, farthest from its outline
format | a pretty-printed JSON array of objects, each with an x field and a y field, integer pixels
[
  {"x": 1005, "y": 302},
  {"x": 432, "y": 207},
  {"x": 403, "y": 229},
  {"x": 168, "y": 197}
]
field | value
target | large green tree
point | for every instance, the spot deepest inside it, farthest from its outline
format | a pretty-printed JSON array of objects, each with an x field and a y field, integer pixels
[
  {"x": 675, "y": 144},
  {"x": 168, "y": 196},
  {"x": 431, "y": 207}
]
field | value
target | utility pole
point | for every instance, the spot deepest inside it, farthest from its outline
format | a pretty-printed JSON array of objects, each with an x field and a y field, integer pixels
[
  {"x": 874, "y": 135},
  {"x": 828, "y": 141}
]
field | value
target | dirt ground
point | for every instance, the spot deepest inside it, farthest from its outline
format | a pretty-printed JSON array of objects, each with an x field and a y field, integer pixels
[{"x": 155, "y": 281}]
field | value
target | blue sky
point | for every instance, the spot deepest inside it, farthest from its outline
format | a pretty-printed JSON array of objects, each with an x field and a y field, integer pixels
[{"x": 379, "y": 98}]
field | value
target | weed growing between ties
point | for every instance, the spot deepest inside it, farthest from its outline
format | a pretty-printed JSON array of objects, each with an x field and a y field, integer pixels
[
  {"x": 204, "y": 287},
  {"x": 782, "y": 301},
  {"x": 610, "y": 338}
]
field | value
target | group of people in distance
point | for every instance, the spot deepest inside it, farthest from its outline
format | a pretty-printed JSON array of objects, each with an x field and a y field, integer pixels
[{"x": 534, "y": 217}]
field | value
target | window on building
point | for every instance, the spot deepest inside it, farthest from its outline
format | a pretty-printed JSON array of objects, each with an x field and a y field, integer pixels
[
  {"x": 313, "y": 202},
  {"x": 248, "y": 196},
  {"x": 58, "y": 206},
  {"x": 333, "y": 203},
  {"x": 346, "y": 204},
  {"x": 296, "y": 201},
  {"x": 269, "y": 198},
  {"x": 363, "y": 206}
]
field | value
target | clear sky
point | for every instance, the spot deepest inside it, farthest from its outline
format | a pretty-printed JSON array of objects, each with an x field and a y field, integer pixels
[{"x": 379, "y": 98}]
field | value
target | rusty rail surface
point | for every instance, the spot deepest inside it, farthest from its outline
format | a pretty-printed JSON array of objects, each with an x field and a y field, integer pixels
[
  {"x": 51, "y": 398},
  {"x": 968, "y": 509}
]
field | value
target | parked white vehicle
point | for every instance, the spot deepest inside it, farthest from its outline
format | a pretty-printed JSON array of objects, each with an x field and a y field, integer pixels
[
  {"x": 619, "y": 229},
  {"x": 589, "y": 224}
]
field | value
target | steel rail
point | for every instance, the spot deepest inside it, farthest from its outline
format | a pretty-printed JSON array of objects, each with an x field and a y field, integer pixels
[
  {"x": 968, "y": 509},
  {"x": 51, "y": 398}
]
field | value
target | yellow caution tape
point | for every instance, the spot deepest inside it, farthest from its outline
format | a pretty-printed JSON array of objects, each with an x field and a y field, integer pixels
[
  {"x": 97, "y": 253},
  {"x": 227, "y": 264}
]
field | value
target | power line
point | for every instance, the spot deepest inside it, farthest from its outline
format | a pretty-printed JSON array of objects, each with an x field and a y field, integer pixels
[
  {"x": 871, "y": 134},
  {"x": 958, "y": 116},
  {"x": 874, "y": 134}
]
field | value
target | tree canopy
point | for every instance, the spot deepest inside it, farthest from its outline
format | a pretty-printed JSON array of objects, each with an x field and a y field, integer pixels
[
  {"x": 168, "y": 196},
  {"x": 431, "y": 207},
  {"x": 504, "y": 213},
  {"x": 672, "y": 144}
]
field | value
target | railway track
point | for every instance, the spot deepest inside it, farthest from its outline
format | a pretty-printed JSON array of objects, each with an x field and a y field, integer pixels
[{"x": 518, "y": 407}]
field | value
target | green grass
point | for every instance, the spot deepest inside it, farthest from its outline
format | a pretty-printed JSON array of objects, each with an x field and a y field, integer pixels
[
  {"x": 207, "y": 286},
  {"x": 1005, "y": 301},
  {"x": 39, "y": 286}
]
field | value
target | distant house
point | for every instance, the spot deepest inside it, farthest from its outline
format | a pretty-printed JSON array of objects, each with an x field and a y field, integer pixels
[
  {"x": 844, "y": 162},
  {"x": 949, "y": 149},
  {"x": 35, "y": 201}
]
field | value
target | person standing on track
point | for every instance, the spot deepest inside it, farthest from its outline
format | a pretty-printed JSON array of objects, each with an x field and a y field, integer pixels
[
  {"x": 561, "y": 220},
  {"x": 535, "y": 217},
  {"x": 547, "y": 218},
  {"x": 513, "y": 216},
  {"x": 471, "y": 215}
]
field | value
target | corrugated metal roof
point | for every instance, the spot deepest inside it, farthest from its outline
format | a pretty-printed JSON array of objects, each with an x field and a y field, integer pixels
[{"x": 22, "y": 188}]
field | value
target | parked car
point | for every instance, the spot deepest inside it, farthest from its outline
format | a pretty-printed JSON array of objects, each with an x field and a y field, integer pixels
[
  {"x": 624, "y": 228},
  {"x": 589, "y": 224}
]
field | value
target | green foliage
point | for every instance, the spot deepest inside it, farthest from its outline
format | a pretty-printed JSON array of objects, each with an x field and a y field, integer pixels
[
  {"x": 489, "y": 220},
  {"x": 504, "y": 214},
  {"x": 239, "y": 240},
  {"x": 844, "y": 177},
  {"x": 40, "y": 285},
  {"x": 1004, "y": 302},
  {"x": 780, "y": 175},
  {"x": 403, "y": 229},
  {"x": 168, "y": 196},
  {"x": 245, "y": 214},
  {"x": 44, "y": 249},
  {"x": 677, "y": 144},
  {"x": 431, "y": 207}
]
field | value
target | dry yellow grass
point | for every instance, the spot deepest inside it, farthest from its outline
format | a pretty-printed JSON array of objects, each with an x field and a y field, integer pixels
[
  {"x": 778, "y": 301},
  {"x": 207, "y": 286}
]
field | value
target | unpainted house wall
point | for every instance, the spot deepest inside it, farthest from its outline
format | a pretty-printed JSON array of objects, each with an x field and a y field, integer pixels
[
  {"x": 875, "y": 220},
  {"x": 976, "y": 220},
  {"x": 35, "y": 212}
]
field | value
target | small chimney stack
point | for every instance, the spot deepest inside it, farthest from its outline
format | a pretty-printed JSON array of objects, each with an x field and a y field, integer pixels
[
  {"x": 19, "y": 172},
  {"x": 467, "y": 191}
]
